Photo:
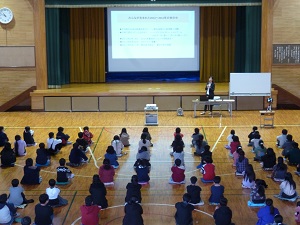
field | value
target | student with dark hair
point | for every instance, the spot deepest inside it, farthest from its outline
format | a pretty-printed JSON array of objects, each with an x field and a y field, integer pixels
[
  {"x": 200, "y": 144},
  {"x": 142, "y": 170},
  {"x": 208, "y": 171},
  {"x": 281, "y": 139},
  {"x": 16, "y": 194},
  {"x": 26, "y": 220},
  {"x": 257, "y": 195},
  {"x": 249, "y": 177},
  {"x": 87, "y": 135},
  {"x": 53, "y": 145},
  {"x": 8, "y": 157},
  {"x": 230, "y": 139},
  {"x": 194, "y": 191},
  {"x": 143, "y": 153},
  {"x": 195, "y": 137},
  {"x": 144, "y": 142},
  {"x": 55, "y": 200},
  {"x": 269, "y": 159},
  {"x": 3, "y": 137},
  {"x": 278, "y": 220},
  {"x": 42, "y": 156},
  {"x": 148, "y": 135},
  {"x": 178, "y": 132},
  {"x": 294, "y": 155},
  {"x": 205, "y": 155},
  {"x": 223, "y": 213},
  {"x": 210, "y": 94},
  {"x": 259, "y": 151},
  {"x": 241, "y": 164},
  {"x": 112, "y": 156},
  {"x": 133, "y": 212},
  {"x": 106, "y": 172},
  {"x": 133, "y": 189},
  {"x": 64, "y": 137},
  {"x": 7, "y": 211},
  {"x": 31, "y": 173},
  {"x": 288, "y": 187},
  {"x": 177, "y": 173},
  {"x": 117, "y": 145},
  {"x": 217, "y": 191},
  {"x": 234, "y": 144},
  {"x": 184, "y": 209},
  {"x": 63, "y": 174},
  {"x": 98, "y": 192},
  {"x": 28, "y": 136},
  {"x": 77, "y": 157},
  {"x": 43, "y": 212},
  {"x": 236, "y": 155},
  {"x": 256, "y": 138},
  {"x": 288, "y": 145},
  {"x": 251, "y": 135},
  {"x": 266, "y": 214},
  {"x": 124, "y": 137},
  {"x": 90, "y": 212},
  {"x": 177, "y": 145},
  {"x": 82, "y": 143},
  {"x": 19, "y": 146},
  {"x": 279, "y": 170}
]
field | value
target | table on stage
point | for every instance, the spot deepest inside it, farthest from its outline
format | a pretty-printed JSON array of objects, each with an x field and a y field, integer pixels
[
  {"x": 266, "y": 117},
  {"x": 219, "y": 102}
]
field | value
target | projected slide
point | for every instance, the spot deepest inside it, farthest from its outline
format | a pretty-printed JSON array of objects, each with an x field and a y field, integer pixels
[{"x": 153, "y": 39}]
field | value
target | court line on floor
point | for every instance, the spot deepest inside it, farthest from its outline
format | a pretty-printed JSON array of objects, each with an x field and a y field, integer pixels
[
  {"x": 146, "y": 204},
  {"x": 213, "y": 148},
  {"x": 69, "y": 207}
]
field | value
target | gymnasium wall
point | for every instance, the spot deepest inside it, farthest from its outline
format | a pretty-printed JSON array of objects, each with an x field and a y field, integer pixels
[{"x": 18, "y": 74}]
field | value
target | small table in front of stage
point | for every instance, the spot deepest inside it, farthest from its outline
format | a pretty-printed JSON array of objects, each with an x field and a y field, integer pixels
[
  {"x": 219, "y": 102},
  {"x": 267, "y": 118}
]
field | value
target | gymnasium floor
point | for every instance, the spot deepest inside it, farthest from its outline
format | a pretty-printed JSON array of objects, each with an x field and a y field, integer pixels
[{"x": 159, "y": 197}]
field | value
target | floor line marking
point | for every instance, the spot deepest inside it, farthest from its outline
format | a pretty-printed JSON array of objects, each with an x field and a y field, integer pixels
[
  {"x": 69, "y": 207},
  {"x": 213, "y": 148}
]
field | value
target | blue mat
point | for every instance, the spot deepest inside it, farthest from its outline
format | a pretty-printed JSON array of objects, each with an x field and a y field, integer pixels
[
  {"x": 251, "y": 204},
  {"x": 287, "y": 199},
  {"x": 207, "y": 181},
  {"x": 173, "y": 182}
]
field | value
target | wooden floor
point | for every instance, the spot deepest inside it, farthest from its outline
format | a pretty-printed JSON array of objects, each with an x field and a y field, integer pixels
[{"x": 159, "y": 197}]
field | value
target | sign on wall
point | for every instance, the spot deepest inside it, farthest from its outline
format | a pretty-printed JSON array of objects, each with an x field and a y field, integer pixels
[{"x": 286, "y": 54}]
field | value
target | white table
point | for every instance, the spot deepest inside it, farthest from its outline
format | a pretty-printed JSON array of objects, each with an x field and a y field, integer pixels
[
  {"x": 267, "y": 118},
  {"x": 219, "y": 102},
  {"x": 151, "y": 116}
]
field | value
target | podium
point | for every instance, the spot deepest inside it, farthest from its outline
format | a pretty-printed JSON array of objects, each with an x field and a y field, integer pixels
[
  {"x": 267, "y": 118},
  {"x": 151, "y": 115}
]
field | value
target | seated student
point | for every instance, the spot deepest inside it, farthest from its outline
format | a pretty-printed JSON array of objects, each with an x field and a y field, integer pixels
[
  {"x": 217, "y": 191},
  {"x": 112, "y": 156},
  {"x": 76, "y": 157},
  {"x": 63, "y": 174},
  {"x": 90, "y": 212},
  {"x": 279, "y": 170},
  {"x": 83, "y": 144},
  {"x": 43, "y": 212},
  {"x": 235, "y": 155},
  {"x": 124, "y": 137},
  {"x": 31, "y": 173},
  {"x": 249, "y": 177},
  {"x": 179, "y": 154},
  {"x": 281, "y": 139},
  {"x": 87, "y": 135},
  {"x": 208, "y": 171},
  {"x": 8, "y": 157},
  {"x": 200, "y": 144},
  {"x": 106, "y": 172},
  {"x": 234, "y": 144},
  {"x": 223, "y": 213},
  {"x": 117, "y": 145},
  {"x": 288, "y": 145},
  {"x": 194, "y": 191},
  {"x": 26, "y": 220},
  {"x": 266, "y": 214},
  {"x": 133, "y": 212},
  {"x": 195, "y": 137},
  {"x": 28, "y": 136},
  {"x": 178, "y": 132},
  {"x": 241, "y": 164},
  {"x": 133, "y": 189},
  {"x": 146, "y": 162},
  {"x": 288, "y": 187},
  {"x": 177, "y": 144},
  {"x": 19, "y": 146},
  {"x": 148, "y": 135},
  {"x": 53, "y": 145},
  {"x": 143, "y": 142},
  {"x": 16, "y": 194},
  {"x": 251, "y": 135},
  {"x": 257, "y": 195},
  {"x": 143, "y": 153},
  {"x": 63, "y": 137},
  {"x": 177, "y": 173},
  {"x": 142, "y": 170},
  {"x": 269, "y": 159},
  {"x": 259, "y": 151},
  {"x": 204, "y": 155},
  {"x": 98, "y": 192},
  {"x": 184, "y": 211},
  {"x": 7, "y": 211},
  {"x": 3, "y": 137},
  {"x": 55, "y": 200},
  {"x": 42, "y": 156},
  {"x": 294, "y": 155},
  {"x": 255, "y": 140},
  {"x": 230, "y": 139},
  {"x": 278, "y": 220}
]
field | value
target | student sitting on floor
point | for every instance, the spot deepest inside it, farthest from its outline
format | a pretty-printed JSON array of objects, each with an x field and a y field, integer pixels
[
  {"x": 251, "y": 135},
  {"x": 53, "y": 145},
  {"x": 8, "y": 156},
  {"x": 230, "y": 139},
  {"x": 200, "y": 144},
  {"x": 178, "y": 132},
  {"x": 124, "y": 137},
  {"x": 117, "y": 145},
  {"x": 19, "y": 146},
  {"x": 217, "y": 191},
  {"x": 266, "y": 214},
  {"x": 16, "y": 194},
  {"x": 204, "y": 155},
  {"x": 133, "y": 212},
  {"x": 63, "y": 174},
  {"x": 179, "y": 154},
  {"x": 83, "y": 144},
  {"x": 133, "y": 189},
  {"x": 55, "y": 200},
  {"x": 42, "y": 156},
  {"x": 148, "y": 135},
  {"x": 294, "y": 155},
  {"x": 106, "y": 172},
  {"x": 28, "y": 136},
  {"x": 43, "y": 212},
  {"x": 195, "y": 191},
  {"x": 26, "y": 220},
  {"x": 177, "y": 144},
  {"x": 249, "y": 177},
  {"x": 87, "y": 135},
  {"x": 177, "y": 173},
  {"x": 236, "y": 154},
  {"x": 208, "y": 171},
  {"x": 64, "y": 137},
  {"x": 184, "y": 211},
  {"x": 3, "y": 137},
  {"x": 195, "y": 137},
  {"x": 269, "y": 159},
  {"x": 76, "y": 157},
  {"x": 112, "y": 156},
  {"x": 279, "y": 170},
  {"x": 259, "y": 151},
  {"x": 255, "y": 140},
  {"x": 31, "y": 173},
  {"x": 223, "y": 213},
  {"x": 98, "y": 192},
  {"x": 234, "y": 144},
  {"x": 288, "y": 187},
  {"x": 90, "y": 212},
  {"x": 281, "y": 139},
  {"x": 241, "y": 164},
  {"x": 142, "y": 170},
  {"x": 7, "y": 211},
  {"x": 257, "y": 195},
  {"x": 143, "y": 153}
]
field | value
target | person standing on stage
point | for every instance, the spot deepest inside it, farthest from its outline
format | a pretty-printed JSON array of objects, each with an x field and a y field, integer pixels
[{"x": 210, "y": 93}]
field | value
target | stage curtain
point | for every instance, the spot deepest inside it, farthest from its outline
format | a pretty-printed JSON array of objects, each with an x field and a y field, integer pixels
[
  {"x": 58, "y": 50},
  {"x": 87, "y": 44},
  {"x": 217, "y": 41},
  {"x": 248, "y": 39}
]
